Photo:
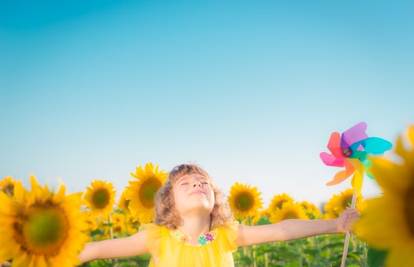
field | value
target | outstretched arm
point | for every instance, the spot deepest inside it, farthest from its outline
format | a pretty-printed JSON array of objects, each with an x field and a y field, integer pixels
[
  {"x": 113, "y": 248},
  {"x": 295, "y": 228}
]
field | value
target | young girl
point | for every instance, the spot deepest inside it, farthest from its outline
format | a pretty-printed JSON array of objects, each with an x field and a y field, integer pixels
[{"x": 194, "y": 227}]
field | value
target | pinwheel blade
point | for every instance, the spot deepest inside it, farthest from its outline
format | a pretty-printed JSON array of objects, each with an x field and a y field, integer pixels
[
  {"x": 330, "y": 160},
  {"x": 342, "y": 175},
  {"x": 334, "y": 145},
  {"x": 354, "y": 134}
]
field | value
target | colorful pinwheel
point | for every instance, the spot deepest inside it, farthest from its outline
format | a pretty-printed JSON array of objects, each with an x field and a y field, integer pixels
[{"x": 351, "y": 150}]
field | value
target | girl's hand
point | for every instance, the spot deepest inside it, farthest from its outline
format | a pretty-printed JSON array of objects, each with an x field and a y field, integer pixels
[{"x": 345, "y": 221}]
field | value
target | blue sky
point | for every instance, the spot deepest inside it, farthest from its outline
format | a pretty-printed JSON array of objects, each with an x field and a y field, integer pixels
[{"x": 248, "y": 90}]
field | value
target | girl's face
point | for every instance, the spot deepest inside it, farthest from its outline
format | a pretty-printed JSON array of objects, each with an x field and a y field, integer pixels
[{"x": 193, "y": 192}]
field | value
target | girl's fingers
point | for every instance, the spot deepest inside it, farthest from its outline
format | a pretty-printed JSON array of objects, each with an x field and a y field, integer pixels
[
  {"x": 351, "y": 212},
  {"x": 349, "y": 216}
]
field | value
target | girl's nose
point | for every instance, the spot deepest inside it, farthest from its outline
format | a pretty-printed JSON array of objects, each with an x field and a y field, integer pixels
[{"x": 197, "y": 183}]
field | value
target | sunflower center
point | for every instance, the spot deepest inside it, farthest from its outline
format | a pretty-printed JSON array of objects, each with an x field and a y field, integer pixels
[
  {"x": 117, "y": 229},
  {"x": 100, "y": 198},
  {"x": 148, "y": 190},
  {"x": 244, "y": 201},
  {"x": 9, "y": 189},
  {"x": 409, "y": 209},
  {"x": 346, "y": 202},
  {"x": 336, "y": 213},
  {"x": 126, "y": 203},
  {"x": 290, "y": 215},
  {"x": 44, "y": 230},
  {"x": 280, "y": 203}
]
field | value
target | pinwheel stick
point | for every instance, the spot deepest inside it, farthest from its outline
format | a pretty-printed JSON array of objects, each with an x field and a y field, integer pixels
[{"x": 348, "y": 234}]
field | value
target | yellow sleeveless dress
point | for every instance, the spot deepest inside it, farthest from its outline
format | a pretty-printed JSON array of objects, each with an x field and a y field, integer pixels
[{"x": 168, "y": 249}]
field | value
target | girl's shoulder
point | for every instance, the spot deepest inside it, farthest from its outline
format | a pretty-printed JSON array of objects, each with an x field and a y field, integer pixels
[
  {"x": 152, "y": 226},
  {"x": 227, "y": 235},
  {"x": 155, "y": 233},
  {"x": 230, "y": 226},
  {"x": 154, "y": 230}
]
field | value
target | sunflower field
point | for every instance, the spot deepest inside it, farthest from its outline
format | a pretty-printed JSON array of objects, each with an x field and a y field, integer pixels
[{"x": 40, "y": 227}]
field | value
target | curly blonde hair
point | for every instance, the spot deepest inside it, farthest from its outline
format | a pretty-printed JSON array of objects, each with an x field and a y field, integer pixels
[{"x": 167, "y": 215}]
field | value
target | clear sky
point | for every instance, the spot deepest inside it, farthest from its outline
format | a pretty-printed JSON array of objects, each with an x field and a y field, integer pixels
[{"x": 250, "y": 90}]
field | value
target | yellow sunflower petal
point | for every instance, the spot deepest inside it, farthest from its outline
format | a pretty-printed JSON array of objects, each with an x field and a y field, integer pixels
[
  {"x": 390, "y": 176},
  {"x": 410, "y": 134},
  {"x": 382, "y": 224},
  {"x": 402, "y": 256}
]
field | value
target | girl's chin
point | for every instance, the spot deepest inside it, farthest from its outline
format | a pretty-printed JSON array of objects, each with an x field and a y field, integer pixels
[{"x": 201, "y": 206}]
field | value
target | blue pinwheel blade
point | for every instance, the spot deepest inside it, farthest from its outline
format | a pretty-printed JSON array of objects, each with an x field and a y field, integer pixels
[
  {"x": 376, "y": 145},
  {"x": 372, "y": 145}
]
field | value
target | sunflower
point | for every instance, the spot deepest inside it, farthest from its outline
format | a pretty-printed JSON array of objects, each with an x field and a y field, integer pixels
[
  {"x": 131, "y": 224},
  {"x": 311, "y": 210},
  {"x": 40, "y": 228},
  {"x": 91, "y": 221},
  {"x": 277, "y": 202},
  {"x": 289, "y": 210},
  {"x": 8, "y": 185},
  {"x": 387, "y": 222},
  {"x": 261, "y": 217},
  {"x": 340, "y": 202},
  {"x": 118, "y": 223},
  {"x": 103, "y": 231},
  {"x": 245, "y": 201},
  {"x": 142, "y": 189},
  {"x": 100, "y": 197},
  {"x": 123, "y": 202}
]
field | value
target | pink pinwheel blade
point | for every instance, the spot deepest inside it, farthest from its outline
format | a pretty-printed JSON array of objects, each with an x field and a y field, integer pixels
[
  {"x": 334, "y": 145},
  {"x": 330, "y": 160},
  {"x": 354, "y": 134}
]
